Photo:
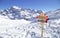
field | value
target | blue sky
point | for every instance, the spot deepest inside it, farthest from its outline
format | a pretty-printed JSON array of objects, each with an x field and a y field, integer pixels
[{"x": 45, "y": 5}]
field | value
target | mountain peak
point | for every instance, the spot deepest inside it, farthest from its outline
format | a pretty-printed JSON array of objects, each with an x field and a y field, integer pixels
[{"x": 16, "y": 7}]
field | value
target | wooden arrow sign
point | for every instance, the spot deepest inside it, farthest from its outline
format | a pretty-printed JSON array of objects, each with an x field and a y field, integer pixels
[{"x": 42, "y": 18}]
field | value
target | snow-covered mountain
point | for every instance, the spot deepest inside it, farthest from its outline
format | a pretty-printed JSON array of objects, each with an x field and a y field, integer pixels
[
  {"x": 16, "y": 22},
  {"x": 20, "y": 13},
  {"x": 54, "y": 14}
]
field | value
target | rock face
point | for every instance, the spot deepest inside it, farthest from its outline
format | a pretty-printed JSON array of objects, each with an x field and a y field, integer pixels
[{"x": 17, "y": 22}]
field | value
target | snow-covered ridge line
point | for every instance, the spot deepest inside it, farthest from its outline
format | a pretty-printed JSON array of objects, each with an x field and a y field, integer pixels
[{"x": 16, "y": 12}]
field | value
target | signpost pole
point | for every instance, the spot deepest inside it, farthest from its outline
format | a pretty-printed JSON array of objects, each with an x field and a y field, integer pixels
[{"x": 42, "y": 27}]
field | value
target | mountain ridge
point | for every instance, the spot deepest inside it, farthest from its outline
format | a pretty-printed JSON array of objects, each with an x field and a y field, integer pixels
[{"x": 18, "y": 13}]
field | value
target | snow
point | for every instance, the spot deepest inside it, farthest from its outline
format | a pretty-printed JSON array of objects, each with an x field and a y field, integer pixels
[
  {"x": 16, "y": 7},
  {"x": 11, "y": 26},
  {"x": 27, "y": 29},
  {"x": 24, "y": 29}
]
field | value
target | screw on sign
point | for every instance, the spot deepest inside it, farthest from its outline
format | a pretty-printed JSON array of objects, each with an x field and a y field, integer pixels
[{"x": 42, "y": 18}]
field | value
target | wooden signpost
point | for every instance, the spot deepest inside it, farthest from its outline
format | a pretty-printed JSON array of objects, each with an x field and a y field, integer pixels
[{"x": 42, "y": 18}]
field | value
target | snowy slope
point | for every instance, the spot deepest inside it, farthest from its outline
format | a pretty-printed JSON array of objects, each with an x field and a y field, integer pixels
[
  {"x": 17, "y": 22},
  {"x": 11, "y": 28},
  {"x": 26, "y": 29},
  {"x": 54, "y": 14}
]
